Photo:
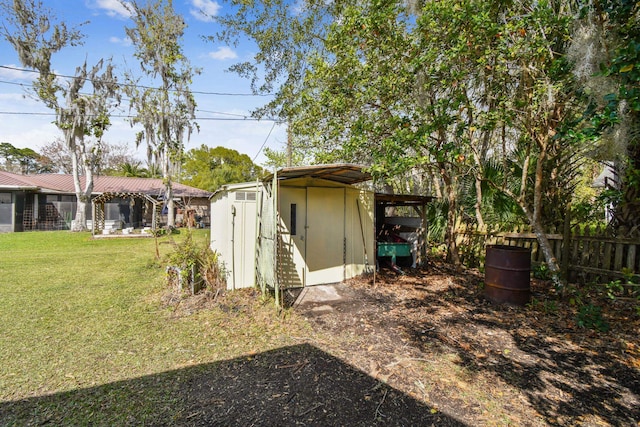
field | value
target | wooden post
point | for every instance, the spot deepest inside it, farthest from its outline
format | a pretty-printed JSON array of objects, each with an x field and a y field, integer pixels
[
  {"x": 289, "y": 147},
  {"x": 276, "y": 285},
  {"x": 425, "y": 235},
  {"x": 566, "y": 244}
]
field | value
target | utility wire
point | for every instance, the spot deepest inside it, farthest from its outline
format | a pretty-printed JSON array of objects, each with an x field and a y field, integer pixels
[
  {"x": 223, "y": 114},
  {"x": 265, "y": 141},
  {"x": 133, "y": 85},
  {"x": 126, "y": 99},
  {"x": 127, "y": 116}
]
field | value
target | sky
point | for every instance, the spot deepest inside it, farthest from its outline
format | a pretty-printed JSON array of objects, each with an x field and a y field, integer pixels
[{"x": 224, "y": 99}]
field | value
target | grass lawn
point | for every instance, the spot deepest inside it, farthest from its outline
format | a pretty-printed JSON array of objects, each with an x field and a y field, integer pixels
[{"x": 78, "y": 313}]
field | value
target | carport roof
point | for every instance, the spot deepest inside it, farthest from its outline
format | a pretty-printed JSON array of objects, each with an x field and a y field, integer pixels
[
  {"x": 402, "y": 199},
  {"x": 344, "y": 173}
]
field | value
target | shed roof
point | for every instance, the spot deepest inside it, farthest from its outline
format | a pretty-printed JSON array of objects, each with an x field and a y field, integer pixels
[
  {"x": 61, "y": 183},
  {"x": 344, "y": 173}
]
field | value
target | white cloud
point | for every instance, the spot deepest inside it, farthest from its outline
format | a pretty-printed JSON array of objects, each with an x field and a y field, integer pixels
[
  {"x": 299, "y": 6},
  {"x": 30, "y": 132},
  {"x": 113, "y": 8},
  {"x": 122, "y": 42},
  {"x": 204, "y": 10},
  {"x": 15, "y": 101},
  {"x": 15, "y": 72},
  {"x": 223, "y": 52}
]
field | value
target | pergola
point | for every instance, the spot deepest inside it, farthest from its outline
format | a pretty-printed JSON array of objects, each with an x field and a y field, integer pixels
[{"x": 98, "y": 207}]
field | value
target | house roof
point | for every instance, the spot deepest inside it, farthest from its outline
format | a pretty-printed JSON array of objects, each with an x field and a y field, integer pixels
[
  {"x": 608, "y": 177},
  {"x": 12, "y": 181},
  {"x": 60, "y": 183},
  {"x": 344, "y": 173}
]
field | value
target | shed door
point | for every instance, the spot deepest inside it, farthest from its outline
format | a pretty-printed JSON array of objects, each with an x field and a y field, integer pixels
[
  {"x": 325, "y": 235},
  {"x": 292, "y": 234}
]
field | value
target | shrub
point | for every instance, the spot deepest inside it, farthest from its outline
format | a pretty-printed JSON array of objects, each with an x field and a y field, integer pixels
[
  {"x": 192, "y": 267},
  {"x": 590, "y": 316}
]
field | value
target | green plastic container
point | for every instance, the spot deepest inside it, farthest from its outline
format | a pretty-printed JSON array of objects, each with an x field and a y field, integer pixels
[{"x": 394, "y": 249}]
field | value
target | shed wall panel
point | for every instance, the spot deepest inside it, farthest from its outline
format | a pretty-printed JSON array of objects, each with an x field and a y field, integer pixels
[
  {"x": 325, "y": 235},
  {"x": 244, "y": 231}
]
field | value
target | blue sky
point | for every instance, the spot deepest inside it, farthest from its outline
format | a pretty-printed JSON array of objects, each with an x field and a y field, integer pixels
[{"x": 105, "y": 38}]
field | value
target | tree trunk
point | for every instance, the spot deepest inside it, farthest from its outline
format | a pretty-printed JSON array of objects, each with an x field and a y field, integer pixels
[
  {"x": 83, "y": 196},
  {"x": 435, "y": 180},
  {"x": 166, "y": 172},
  {"x": 171, "y": 217},
  {"x": 450, "y": 233},
  {"x": 536, "y": 225},
  {"x": 79, "y": 222},
  {"x": 478, "y": 204},
  {"x": 547, "y": 251}
]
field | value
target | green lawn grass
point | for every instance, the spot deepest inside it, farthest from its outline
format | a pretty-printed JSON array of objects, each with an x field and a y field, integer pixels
[{"x": 77, "y": 313}]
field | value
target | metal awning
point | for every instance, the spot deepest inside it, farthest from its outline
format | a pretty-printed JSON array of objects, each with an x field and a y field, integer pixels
[
  {"x": 344, "y": 173},
  {"x": 402, "y": 199}
]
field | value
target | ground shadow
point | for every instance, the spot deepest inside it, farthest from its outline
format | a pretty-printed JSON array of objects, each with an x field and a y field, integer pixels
[{"x": 297, "y": 385}]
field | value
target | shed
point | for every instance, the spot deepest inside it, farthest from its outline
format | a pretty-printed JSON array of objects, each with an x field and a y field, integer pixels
[{"x": 300, "y": 226}]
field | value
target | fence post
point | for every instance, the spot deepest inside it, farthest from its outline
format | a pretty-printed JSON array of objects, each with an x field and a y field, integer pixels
[{"x": 566, "y": 244}]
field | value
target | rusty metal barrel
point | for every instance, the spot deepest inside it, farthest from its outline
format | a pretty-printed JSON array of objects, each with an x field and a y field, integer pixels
[{"x": 507, "y": 275}]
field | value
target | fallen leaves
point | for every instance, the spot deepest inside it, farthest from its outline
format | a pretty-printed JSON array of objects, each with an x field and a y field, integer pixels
[{"x": 442, "y": 342}]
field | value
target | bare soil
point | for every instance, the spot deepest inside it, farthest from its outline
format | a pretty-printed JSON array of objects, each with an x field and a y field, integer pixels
[
  {"x": 431, "y": 335},
  {"x": 426, "y": 348}
]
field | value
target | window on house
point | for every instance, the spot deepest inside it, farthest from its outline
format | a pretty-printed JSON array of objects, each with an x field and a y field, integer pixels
[{"x": 6, "y": 213}]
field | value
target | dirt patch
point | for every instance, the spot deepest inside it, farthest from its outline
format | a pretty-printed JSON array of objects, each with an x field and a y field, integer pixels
[{"x": 432, "y": 335}]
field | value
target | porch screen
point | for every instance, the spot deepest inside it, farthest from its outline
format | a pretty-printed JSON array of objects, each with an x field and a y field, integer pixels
[{"x": 5, "y": 209}]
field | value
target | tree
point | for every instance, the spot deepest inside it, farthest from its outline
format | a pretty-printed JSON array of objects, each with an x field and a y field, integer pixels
[
  {"x": 286, "y": 33},
  {"x": 606, "y": 51},
  {"x": 209, "y": 168},
  {"x": 111, "y": 157},
  {"x": 59, "y": 156},
  {"x": 166, "y": 114},
  {"x": 22, "y": 160},
  {"x": 281, "y": 158},
  {"x": 106, "y": 157},
  {"x": 518, "y": 98},
  {"x": 86, "y": 115},
  {"x": 35, "y": 36},
  {"x": 449, "y": 89}
]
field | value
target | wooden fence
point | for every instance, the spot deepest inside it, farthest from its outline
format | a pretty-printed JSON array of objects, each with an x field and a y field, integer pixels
[{"x": 584, "y": 256}]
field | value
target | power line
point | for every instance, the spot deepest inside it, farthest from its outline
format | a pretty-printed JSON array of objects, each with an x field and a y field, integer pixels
[
  {"x": 223, "y": 114},
  {"x": 125, "y": 99},
  {"x": 16, "y": 84},
  {"x": 127, "y": 116},
  {"x": 197, "y": 92},
  {"x": 265, "y": 141}
]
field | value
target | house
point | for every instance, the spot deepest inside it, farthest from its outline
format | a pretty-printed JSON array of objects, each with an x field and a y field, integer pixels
[
  {"x": 48, "y": 201},
  {"x": 300, "y": 226}
]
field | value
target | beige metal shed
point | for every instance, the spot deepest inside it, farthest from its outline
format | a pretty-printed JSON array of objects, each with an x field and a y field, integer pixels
[{"x": 300, "y": 226}]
